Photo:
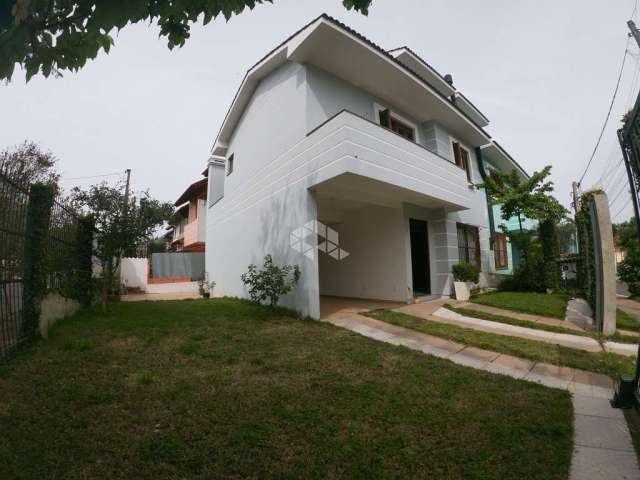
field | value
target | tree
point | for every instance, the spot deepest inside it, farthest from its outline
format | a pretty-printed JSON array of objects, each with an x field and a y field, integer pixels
[
  {"x": 524, "y": 198},
  {"x": 120, "y": 225},
  {"x": 55, "y": 35},
  {"x": 27, "y": 163}
]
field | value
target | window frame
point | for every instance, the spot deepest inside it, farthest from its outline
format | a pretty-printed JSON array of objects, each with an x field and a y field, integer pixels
[
  {"x": 395, "y": 117},
  {"x": 462, "y": 161},
  {"x": 464, "y": 247},
  {"x": 501, "y": 252}
]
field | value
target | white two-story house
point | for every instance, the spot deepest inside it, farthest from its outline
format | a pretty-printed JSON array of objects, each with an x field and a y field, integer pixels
[{"x": 355, "y": 163}]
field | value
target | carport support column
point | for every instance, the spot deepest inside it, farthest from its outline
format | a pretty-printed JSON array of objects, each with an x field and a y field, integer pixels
[{"x": 445, "y": 253}]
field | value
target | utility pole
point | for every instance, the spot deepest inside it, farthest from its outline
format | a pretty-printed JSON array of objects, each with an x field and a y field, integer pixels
[
  {"x": 577, "y": 206},
  {"x": 126, "y": 190}
]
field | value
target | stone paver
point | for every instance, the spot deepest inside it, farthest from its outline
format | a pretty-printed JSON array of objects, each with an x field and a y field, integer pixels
[
  {"x": 602, "y": 445},
  {"x": 627, "y": 349}
]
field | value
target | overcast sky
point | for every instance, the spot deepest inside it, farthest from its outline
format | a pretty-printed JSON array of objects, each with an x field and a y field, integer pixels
[{"x": 543, "y": 72}]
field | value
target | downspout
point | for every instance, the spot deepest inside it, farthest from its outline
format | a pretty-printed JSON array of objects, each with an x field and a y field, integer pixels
[{"x": 483, "y": 174}]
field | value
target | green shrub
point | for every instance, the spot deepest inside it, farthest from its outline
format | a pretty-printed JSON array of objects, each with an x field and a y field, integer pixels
[
  {"x": 529, "y": 278},
  {"x": 271, "y": 282},
  {"x": 465, "y": 272},
  {"x": 634, "y": 289}
]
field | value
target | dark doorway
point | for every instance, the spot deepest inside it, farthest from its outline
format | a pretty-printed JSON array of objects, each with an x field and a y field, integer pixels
[{"x": 420, "y": 257}]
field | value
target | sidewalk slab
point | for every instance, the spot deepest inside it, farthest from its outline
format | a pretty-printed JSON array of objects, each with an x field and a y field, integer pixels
[{"x": 600, "y": 464}]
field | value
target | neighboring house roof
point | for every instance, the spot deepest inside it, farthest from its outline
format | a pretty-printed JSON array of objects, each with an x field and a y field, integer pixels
[{"x": 191, "y": 190}]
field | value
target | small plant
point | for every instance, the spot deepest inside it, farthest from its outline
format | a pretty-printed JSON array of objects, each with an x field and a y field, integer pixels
[
  {"x": 466, "y": 272},
  {"x": 271, "y": 282}
]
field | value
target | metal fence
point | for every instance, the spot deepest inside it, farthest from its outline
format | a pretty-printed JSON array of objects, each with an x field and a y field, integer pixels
[{"x": 58, "y": 265}]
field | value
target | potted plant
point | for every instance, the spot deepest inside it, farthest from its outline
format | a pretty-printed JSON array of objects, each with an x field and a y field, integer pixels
[{"x": 465, "y": 275}]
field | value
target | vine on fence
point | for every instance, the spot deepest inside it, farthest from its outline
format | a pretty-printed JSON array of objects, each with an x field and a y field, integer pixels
[{"x": 587, "y": 268}]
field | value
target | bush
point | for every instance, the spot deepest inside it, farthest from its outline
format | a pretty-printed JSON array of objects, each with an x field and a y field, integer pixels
[
  {"x": 634, "y": 289},
  {"x": 548, "y": 235},
  {"x": 629, "y": 268},
  {"x": 529, "y": 278},
  {"x": 465, "y": 272},
  {"x": 271, "y": 282}
]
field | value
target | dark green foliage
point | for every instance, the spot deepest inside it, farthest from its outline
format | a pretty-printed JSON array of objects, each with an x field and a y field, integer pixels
[
  {"x": 271, "y": 282},
  {"x": 465, "y": 272},
  {"x": 121, "y": 225},
  {"x": 530, "y": 275},
  {"x": 83, "y": 288},
  {"x": 626, "y": 238},
  {"x": 548, "y": 235},
  {"x": 35, "y": 272},
  {"x": 634, "y": 289},
  {"x": 50, "y": 36},
  {"x": 520, "y": 198},
  {"x": 586, "y": 267}
]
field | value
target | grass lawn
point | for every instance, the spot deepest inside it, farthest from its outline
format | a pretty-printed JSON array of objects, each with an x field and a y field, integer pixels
[
  {"x": 226, "y": 389},
  {"x": 601, "y": 362},
  {"x": 543, "y": 304},
  {"x": 626, "y": 321}
]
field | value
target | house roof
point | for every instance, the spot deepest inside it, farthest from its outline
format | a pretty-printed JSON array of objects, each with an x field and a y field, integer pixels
[
  {"x": 413, "y": 85},
  {"x": 191, "y": 190},
  {"x": 311, "y": 44}
]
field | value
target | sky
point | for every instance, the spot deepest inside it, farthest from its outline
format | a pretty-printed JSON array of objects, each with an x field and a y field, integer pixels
[{"x": 543, "y": 72}]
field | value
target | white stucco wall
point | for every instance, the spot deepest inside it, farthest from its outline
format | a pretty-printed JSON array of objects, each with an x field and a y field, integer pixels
[
  {"x": 276, "y": 163},
  {"x": 256, "y": 215},
  {"x": 133, "y": 272},
  {"x": 376, "y": 266}
]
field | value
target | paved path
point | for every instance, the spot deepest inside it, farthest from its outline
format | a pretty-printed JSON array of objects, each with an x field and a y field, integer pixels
[
  {"x": 154, "y": 297},
  {"x": 587, "y": 344},
  {"x": 520, "y": 316},
  {"x": 602, "y": 443}
]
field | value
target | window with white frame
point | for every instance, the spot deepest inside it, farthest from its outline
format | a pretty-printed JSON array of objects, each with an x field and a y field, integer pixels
[{"x": 396, "y": 123}]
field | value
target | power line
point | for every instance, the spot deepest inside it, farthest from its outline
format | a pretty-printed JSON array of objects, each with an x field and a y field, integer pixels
[
  {"x": 606, "y": 121},
  {"x": 94, "y": 176},
  {"x": 623, "y": 207},
  {"x": 618, "y": 195},
  {"x": 608, "y": 171}
]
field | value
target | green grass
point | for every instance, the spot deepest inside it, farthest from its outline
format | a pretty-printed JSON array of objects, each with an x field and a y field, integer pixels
[
  {"x": 469, "y": 312},
  {"x": 226, "y": 389},
  {"x": 546, "y": 305},
  {"x": 625, "y": 321},
  {"x": 600, "y": 362}
]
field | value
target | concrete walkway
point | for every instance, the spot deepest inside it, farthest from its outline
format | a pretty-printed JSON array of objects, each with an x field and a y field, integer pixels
[
  {"x": 602, "y": 443},
  {"x": 155, "y": 297},
  {"x": 577, "y": 342}
]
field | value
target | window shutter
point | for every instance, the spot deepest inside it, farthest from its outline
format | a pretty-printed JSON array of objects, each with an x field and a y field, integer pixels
[
  {"x": 465, "y": 163},
  {"x": 385, "y": 118},
  {"x": 457, "y": 154}
]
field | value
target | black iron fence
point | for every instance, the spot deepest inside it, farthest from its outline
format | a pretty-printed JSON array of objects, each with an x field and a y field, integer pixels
[{"x": 44, "y": 246}]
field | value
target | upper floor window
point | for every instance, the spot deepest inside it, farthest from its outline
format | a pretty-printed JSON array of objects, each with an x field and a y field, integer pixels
[
  {"x": 393, "y": 123},
  {"x": 230, "y": 165},
  {"x": 461, "y": 156}
]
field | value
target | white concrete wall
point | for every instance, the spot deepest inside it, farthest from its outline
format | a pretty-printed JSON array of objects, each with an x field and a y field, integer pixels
[
  {"x": 276, "y": 163},
  {"x": 376, "y": 266},
  {"x": 133, "y": 272},
  {"x": 261, "y": 206},
  {"x": 179, "y": 287}
]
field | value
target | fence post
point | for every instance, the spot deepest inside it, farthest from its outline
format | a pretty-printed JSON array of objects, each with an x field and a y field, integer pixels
[
  {"x": 35, "y": 279},
  {"x": 84, "y": 252},
  {"x": 605, "y": 313}
]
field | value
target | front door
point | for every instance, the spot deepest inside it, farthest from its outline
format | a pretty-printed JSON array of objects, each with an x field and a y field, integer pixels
[{"x": 420, "y": 257}]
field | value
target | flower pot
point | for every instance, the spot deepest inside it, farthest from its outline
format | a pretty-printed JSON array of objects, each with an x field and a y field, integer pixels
[{"x": 461, "y": 290}]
